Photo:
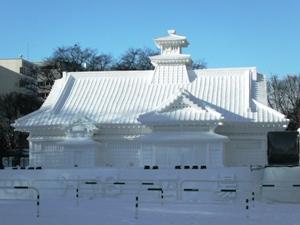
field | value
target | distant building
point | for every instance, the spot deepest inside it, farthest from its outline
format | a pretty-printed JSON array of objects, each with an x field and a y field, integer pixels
[
  {"x": 17, "y": 74},
  {"x": 21, "y": 75},
  {"x": 166, "y": 117}
]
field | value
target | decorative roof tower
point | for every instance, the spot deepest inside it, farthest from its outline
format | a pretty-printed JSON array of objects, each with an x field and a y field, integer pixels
[{"x": 171, "y": 65}]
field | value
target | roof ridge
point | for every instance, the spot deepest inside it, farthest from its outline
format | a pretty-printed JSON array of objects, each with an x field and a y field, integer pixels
[{"x": 63, "y": 95}]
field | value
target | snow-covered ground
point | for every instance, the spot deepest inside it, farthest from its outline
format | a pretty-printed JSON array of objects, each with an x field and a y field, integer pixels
[{"x": 112, "y": 212}]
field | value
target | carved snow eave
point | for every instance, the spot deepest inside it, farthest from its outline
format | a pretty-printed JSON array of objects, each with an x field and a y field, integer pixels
[
  {"x": 80, "y": 127},
  {"x": 267, "y": 125},
  {"x": 117, "y": 137},
  {"x": 17, "y": 122},
  {"x": 46, "y": 138},
  {"x": 180, "y": 137},
  {"x": 182, "y": 59},
  {"x": 40, "y": 127}
]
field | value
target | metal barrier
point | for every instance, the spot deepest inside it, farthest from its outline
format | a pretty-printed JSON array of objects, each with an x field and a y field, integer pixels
[
  {"x": 162, "y": 202},
  {"x": 292, "y": 187},
  {"x": 123, "y": 185},
  {"x": 214, "y": 181},
  {"x": 16, "y": 180},
  {"x": 89, "y": 182},
  {"x": 53, "y": 184},
  {"x": 127, "y": 186},
  {"x": 13, "y": 183},
  {"x": 26, "y": 187}
]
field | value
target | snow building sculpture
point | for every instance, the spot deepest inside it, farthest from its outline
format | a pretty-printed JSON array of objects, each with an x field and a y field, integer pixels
[{"x": 167, "y": 117}]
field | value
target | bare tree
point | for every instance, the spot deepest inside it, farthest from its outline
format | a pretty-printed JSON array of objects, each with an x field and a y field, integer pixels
[
  {"x": 100, "y": 62},
  {"x": 13, "y": 106},
  {"x": 199, "y": 64},
  {"x": 284, "y": 96},
  {"x": 66, "y": 59},
  {"x": 75, "y": 58},
  {"x": 136, "y": 59}
]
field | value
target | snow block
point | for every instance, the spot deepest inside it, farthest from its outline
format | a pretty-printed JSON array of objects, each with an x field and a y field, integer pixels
[{"x": 281, "y": 184}]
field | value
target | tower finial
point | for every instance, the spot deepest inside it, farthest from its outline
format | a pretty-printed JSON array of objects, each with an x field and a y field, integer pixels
[{"x": 172, "y": 32}]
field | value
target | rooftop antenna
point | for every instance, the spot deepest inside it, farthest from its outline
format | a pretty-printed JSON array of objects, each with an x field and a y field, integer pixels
[{"x": 28, "y": 51}]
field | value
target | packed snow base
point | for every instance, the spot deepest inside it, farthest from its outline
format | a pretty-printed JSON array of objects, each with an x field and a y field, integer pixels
[{"x": 111, "y": 211}]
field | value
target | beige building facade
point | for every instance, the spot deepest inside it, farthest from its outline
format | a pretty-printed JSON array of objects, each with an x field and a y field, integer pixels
[{"x": 16, "y": 75}]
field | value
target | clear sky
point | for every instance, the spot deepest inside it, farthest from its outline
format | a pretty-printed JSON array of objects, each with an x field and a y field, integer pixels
[{"x": 226, "y": 33}]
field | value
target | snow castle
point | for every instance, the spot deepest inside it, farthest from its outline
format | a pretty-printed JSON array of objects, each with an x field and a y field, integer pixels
[{"x": 170, "y": 116}]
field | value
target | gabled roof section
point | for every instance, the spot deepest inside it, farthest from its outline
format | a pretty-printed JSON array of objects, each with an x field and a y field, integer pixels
[
  {"x": 80, "y": 127},
  {"x": 81, "y": 121},
  {"x": 264, "y": 113},
  {"x": 181, "y": 107}
]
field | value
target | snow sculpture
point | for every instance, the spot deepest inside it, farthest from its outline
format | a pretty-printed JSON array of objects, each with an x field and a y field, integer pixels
[{"x": 167, "y": 117}]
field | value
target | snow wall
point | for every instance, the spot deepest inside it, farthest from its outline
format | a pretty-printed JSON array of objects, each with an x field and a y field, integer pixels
[{"x": 127, "y": 182}]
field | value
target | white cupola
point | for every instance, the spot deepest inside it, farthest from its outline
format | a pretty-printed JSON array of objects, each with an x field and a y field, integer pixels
[
  {"x": 172, "y": 44},
  {"x": 171, "y": 64}
]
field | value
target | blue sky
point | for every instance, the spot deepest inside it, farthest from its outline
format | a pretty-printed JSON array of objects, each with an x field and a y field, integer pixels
[{"x": 226, "y": 33}]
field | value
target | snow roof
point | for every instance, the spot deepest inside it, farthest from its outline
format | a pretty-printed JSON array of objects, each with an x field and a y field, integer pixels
[
  {"x": 169, "y": 94},
  {"x": 121, "y": 97}
]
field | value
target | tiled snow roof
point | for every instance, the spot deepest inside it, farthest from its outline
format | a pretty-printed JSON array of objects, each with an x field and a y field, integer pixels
[
  {"x": 120, "y": 97},
  {"x": 166, "y": 74}
]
